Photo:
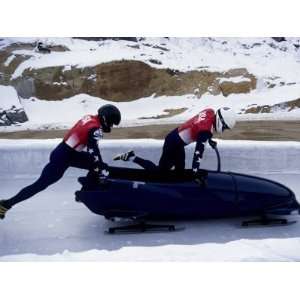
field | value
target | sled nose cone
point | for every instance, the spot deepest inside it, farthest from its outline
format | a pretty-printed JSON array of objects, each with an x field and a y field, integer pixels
[{"x": 260, "y": 194}]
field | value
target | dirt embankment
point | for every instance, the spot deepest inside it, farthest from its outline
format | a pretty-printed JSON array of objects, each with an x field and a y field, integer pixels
[{"x": 254, "y": 130}]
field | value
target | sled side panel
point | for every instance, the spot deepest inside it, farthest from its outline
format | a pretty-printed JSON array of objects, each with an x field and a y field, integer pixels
[{"x": 215, "y": 198}]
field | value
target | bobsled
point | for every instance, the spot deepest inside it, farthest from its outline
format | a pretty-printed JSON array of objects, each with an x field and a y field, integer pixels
[{"x": 138, "y": 194}]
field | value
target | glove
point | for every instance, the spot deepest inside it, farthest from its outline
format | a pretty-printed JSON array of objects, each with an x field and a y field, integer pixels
[
  {"x": 102, "y": 169},
  {"x": 103, "y": 175},
  {"x": 200, "y": 173},
  {"x": 104, "y": 166},
  {"x": 212, "y": 143},
  {"x": 200, "y": 177}
]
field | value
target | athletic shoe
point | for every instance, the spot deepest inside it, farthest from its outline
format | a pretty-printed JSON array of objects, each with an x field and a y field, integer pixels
[
  {"x": 3, "y": 209},
  {"x": 125, "y": 156}
]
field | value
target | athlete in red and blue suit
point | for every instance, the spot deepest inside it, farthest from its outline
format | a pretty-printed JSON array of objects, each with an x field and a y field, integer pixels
[
  {"x": 84, "y": 135},
  {"x": 198, "y": 129}
]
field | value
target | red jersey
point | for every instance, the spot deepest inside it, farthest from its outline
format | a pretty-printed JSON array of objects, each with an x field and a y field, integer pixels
[
  {"x": 77, "y": 137},
  {"x": 204, "y": 121}
]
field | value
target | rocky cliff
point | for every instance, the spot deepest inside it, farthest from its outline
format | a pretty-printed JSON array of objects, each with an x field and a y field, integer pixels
[
  {"x": 127, "y": 80},
  {"x": 141, "y": 72}
]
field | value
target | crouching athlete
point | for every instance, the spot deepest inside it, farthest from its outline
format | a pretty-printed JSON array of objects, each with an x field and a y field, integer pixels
[
  {"x": 198, "y": 129},
  {"x": 70, "y": 153}
]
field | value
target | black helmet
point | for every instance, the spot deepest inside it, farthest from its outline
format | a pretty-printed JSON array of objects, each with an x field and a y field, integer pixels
[{"x": 109, "y": 115}]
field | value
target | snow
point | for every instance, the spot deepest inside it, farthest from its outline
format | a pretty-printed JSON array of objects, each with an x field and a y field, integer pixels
[
  {"x": 242, "y": 250},
  {"x": 52, "y": 114},
  {"x": 258, "y": 55},
  {"x": 8, "y": 98},
  {"x": 235, "y": 79},
  {"x": 53, "y": 227},
  {"x": 271, "y": 63},
  {"x": 9, "y": 60}
]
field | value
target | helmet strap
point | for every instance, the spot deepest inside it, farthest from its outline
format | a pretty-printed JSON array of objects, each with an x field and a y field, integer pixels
[
  {"x": 104, "y": 124},
  {"x": 215, "y": 124}
]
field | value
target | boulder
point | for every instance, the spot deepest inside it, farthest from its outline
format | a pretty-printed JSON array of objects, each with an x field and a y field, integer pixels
[
  {"x": 11, "y": 110},
  {"x": 12, "y": 116},
  {"x": 279, "y": 39}
]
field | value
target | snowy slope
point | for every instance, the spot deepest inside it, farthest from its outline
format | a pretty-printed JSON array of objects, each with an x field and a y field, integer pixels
[
  {"x": 53, "y": 227},
  {"x": 272, "y": 63},
  {"x": 9, "y": 98},
  {"x": 262, "y": 56},
  {"x": 63, "y": 114}
]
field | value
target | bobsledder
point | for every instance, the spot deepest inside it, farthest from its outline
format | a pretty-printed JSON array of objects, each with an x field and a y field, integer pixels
[{"x": 140, "y": 195}]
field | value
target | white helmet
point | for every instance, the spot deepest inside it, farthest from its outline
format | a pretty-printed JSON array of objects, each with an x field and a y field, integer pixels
[{"x": 225, "y": 119}]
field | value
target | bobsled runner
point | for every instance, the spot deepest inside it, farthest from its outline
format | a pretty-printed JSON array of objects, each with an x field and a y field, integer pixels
[{"x": 141, "y": 195}]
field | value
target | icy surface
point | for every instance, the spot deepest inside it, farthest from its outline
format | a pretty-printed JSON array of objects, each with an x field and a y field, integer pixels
[
  {"x": 51, "y": 226},
  {"x": 238, "y": 156}
]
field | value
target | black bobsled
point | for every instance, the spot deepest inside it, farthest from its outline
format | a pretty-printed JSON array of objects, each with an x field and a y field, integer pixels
[{"x": 140, "y": 194}]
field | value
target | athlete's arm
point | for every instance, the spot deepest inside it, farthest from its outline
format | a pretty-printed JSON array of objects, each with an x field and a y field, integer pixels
[
  {"x": 202, "y": 138},
  {"x": 95, "y": 134}
]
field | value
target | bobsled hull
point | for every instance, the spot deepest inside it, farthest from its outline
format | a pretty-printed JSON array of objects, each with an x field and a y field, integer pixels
[{"x": 132, "y": 192}]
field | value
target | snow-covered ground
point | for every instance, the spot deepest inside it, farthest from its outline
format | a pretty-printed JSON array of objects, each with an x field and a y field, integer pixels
[
  {"x": 53, "y": 227},
  {"x": 270, "y": 62},
  {"x": 261, "y": 56},
  {"x": 9, "y": 98},
  {"x": 45, "y": 115}
]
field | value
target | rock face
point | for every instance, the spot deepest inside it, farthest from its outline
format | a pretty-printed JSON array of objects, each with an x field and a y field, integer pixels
[
  {"x": 230, "y": 85},
  {"x": 7, "y": 68},
  {"x": 283, "y": 106},
  {"x": 12, "y": 116},
  {"x": 128, "y": 80},
  {"x": 279, "y": 39},
  {"x": 123, "y": 80}
]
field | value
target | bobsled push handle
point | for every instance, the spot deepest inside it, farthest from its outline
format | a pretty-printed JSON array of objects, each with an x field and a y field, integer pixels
[{"x": 213, "y": 144}]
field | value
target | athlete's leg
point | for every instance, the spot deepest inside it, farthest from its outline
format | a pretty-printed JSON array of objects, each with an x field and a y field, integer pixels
[
  {"x": 179, "y": 159},
  {"x": 130, "y": 156},
  {"x": 144, "y": 163},
  {"x": 81, "y": 160},
  {"x": 51, "y": 173},
  {"x": 173, "y": 154},
  {"x": 167, "y": 159}
]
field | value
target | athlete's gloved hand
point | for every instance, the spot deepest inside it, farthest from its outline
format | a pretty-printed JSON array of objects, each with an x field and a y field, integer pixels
[
  {"x": 200, "y": 176},
  {"x": 104, "y": 166},
  {"x": 103, "y": 175},
  {"x": 200, "y": 173}
]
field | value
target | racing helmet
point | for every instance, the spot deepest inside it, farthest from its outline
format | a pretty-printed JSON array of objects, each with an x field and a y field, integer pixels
[
  {"x": 109, "y": 115},
  {"x": 225, "y": 119}
]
